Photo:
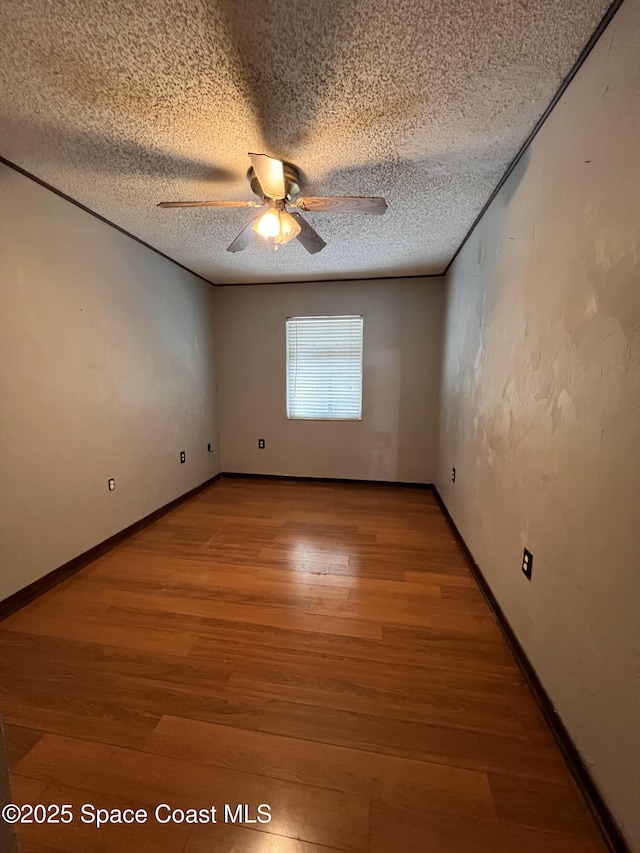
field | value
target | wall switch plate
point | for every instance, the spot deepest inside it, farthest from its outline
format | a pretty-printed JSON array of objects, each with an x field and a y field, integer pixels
[
  {"x": 527, "y": 564},
  {"x": 453, "y": 475},
  {"x": 261, "y": 443},
  {"x": 183, "y": 456},
  {"x": 111, "y": 484}
]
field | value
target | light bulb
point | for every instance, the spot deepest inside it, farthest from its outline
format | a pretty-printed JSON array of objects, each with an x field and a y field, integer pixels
[
  {"x": 268, "y": 225},
  {"x": 289, "y": 227}
]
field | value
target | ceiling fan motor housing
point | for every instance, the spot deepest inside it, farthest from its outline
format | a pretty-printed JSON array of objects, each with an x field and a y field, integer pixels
[{"x": 291, "y": 181}]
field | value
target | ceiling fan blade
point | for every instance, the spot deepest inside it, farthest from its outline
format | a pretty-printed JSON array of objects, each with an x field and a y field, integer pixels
[
  {"x": 270, "y": 174},
  {"x": 343, "y": 204},
  {"x": 244, "y": 237},
  {"x": 208, "y": 204},
  {"x": 309, "y": 238}
]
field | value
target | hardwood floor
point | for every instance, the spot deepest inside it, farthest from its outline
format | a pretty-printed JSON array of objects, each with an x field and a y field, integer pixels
[{"x": 320, "y": 648}]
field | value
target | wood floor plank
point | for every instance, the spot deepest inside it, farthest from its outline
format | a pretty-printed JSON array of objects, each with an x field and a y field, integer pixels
[
  {"x": 430, "y": 830},
  {"x": 400, "y": 781},
  {"x": 66, "y": 623},
  {"x": 547, "y": 806},
  {"x": 231, "y": 583},
  {"x": 412, "y": 696},
  {"x": 79, "y": 837},
  {"x": 236, "y": 839},
  {"x": 435, "y": 650},
  {"x": 376, "y": 570},
  {"x": 19, "y": 741},
  {"x": 392, "y": 611},
  {"x": 26, "y": 658},
  {"x": 214, "y": 704},
  {"x": 234, "y": 631},
  {"x": 256, "y": 612},
  {"x": 320, "y": 647},
  {"x": 87, "y": 718},
  {"x": 297, "y": 811},
  {"x": 32, "y": 847},
  {"x": 430, "y": 672},
  {"x": 456, "y": 747},
  {"x": 26, "y": 790}
]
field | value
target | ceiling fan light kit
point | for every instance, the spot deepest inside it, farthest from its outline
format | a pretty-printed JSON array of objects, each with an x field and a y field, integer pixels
[
  {"x": 277, "y": 224},
  {"x": 268, "y": 225},
  {"x": 277, "y": 185}
]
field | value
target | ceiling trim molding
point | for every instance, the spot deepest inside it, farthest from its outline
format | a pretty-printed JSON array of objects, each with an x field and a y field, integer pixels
[
  {"x": 106, "y": 221},
  {"x": 599, "y": 30},
  {"x": 332, "y": 280}
]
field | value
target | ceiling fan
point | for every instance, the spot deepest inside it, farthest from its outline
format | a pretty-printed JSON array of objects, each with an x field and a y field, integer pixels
[{"x": 277, "y": 185}]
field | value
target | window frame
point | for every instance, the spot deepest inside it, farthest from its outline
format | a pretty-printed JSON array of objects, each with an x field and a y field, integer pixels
[{"x": 288, "y": 319}]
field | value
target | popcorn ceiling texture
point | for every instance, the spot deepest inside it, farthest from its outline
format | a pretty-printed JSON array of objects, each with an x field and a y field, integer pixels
[{"x": 121, "y": 104}]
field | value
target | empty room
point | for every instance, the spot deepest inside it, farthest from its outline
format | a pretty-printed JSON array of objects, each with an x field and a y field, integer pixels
[{"x": 320, "y": 426}]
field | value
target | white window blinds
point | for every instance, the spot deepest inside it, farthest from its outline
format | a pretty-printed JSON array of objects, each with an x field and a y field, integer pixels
[{"x": 324, "y": 367}]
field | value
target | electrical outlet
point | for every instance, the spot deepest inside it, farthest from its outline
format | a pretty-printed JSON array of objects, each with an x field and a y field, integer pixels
[
  {"x": 453, "y": 475},
  {"x": 183, "y": 457},
  {"x": 527, "y": 564},
  {"x": 261, "y": 443},
  {"x": 111, "y": 484}
]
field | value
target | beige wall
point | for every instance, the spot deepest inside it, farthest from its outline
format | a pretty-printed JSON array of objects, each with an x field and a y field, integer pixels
[
  {"x": 106, "y": 370},
  {"x": 541, "y": 388},
  {"x": 396, "y": 438}
]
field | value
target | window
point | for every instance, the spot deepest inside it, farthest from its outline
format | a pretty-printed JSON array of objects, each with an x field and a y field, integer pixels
[{"x": 324, "y": 368}]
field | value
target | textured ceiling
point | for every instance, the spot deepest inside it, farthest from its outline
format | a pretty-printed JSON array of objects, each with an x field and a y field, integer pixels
[{"x": 121, "y": 104}]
